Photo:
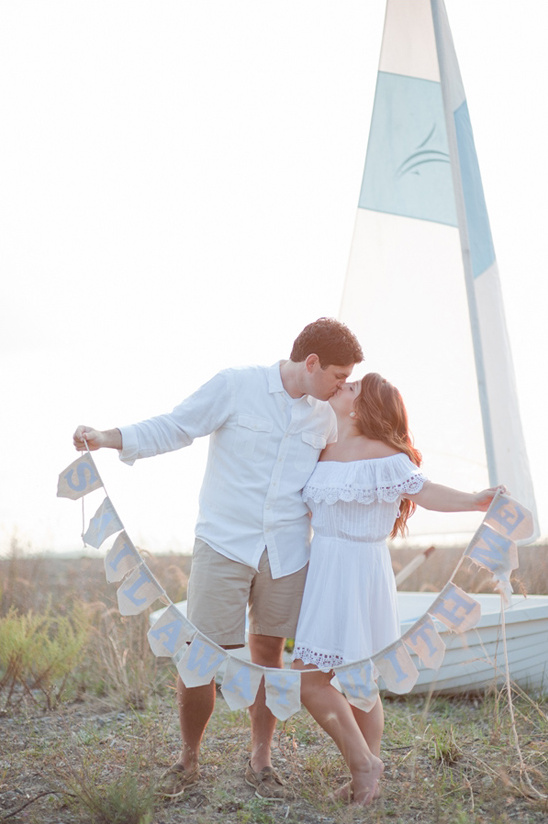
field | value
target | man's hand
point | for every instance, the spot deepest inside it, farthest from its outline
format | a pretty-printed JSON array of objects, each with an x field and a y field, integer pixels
[{"x": 96, "y": 439}]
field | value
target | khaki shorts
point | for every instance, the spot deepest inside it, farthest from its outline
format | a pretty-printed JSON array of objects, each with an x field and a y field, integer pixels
[{"x": 219, "y": 590}]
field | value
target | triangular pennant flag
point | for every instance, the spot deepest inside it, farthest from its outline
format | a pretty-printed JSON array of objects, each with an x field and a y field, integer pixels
[
  {"x": 358, "y": 684},
  {"x": 78, "y": 479},
  {"x": 170, "y": 632},
  {"x": 200, "y": 661},
  {"x": 283, "y": 692},
  {"x": 397, "y": 669},
  {"x": 493, "y": 551},
  {"x": 456, "y": 609},
  {"x": 121, "y": 558},
  {"x": 240, "y": 683},
  {"x": 105, "y": 522},
  {"x": 510, "y": 518},
  {"x": 138, "y": 591},
  {"x": 424, "y": 640}
]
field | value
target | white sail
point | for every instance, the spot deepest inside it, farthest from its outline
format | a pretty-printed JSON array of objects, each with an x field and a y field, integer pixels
[{"x": 422, "y": 230}]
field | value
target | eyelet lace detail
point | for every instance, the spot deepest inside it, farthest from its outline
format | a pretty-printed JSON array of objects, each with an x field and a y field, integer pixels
[
  {"x": 322, "y": 660},
  {"x": 363, "y": 496},
  {"x": 368, "y": 481}
]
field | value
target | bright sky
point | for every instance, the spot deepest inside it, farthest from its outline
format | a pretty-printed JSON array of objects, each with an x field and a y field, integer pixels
[{"x": 179, "y": 185}]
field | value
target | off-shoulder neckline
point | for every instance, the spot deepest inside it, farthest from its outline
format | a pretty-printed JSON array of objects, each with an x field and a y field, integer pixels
[{"x": 365, "y": 460}]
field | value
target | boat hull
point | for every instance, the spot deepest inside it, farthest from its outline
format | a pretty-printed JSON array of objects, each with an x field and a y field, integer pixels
[{"x": 476, "y": 660}]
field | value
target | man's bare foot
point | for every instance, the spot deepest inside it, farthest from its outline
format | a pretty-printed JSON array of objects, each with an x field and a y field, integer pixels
[{"x": 365, "y": 784}]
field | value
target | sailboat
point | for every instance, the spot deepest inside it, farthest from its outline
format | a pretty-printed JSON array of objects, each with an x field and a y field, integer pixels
[{"x": 422, "y": 227}]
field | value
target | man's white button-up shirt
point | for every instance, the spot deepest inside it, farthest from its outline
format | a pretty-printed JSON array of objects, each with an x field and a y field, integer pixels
[{"x": 263, "y": 448}]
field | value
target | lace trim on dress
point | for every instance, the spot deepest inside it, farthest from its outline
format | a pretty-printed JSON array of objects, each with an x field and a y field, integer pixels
[
  {"x": 322, "y": 660},
  {"x": 389, "y": 493}
]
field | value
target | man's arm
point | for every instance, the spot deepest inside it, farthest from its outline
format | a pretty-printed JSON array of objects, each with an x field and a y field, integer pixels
[{"x": 96, "y": 439}]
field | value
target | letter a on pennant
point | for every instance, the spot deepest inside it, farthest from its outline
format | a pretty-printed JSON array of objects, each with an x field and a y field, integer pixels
[
  {"x": 200, "y": 661},
  {"x": 105, "y": 522},
  {"x": 283, "y": 692},
  {"x": 78, "y": 479},
  {"x": 240, "y": 684},
  {"x": 170, "y": 632}
]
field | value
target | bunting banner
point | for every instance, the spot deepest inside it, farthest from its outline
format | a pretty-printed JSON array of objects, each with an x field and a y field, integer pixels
[
  {"x": 359, "y": 684},
  {"x": 104, "y": 523},
  {"x": 283, "y": 692},
  {"x": 138, "y": 591},
  {"x": 121, "y": 558},
  {"x": 198, "y": 659},
  {"x": 456, "y": 609},
  {"x": 78, "y": 479},
  {"x": 426, "y": 642},
  {"x": 170, "y": 632},
  {"x": 397, "y": 668},
  {"x": 240, "y": 683}
]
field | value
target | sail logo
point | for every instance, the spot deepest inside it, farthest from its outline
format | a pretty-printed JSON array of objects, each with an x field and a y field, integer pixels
[
  {"x": 407, "y": 169},
  {"x": 423, "y": 155}
]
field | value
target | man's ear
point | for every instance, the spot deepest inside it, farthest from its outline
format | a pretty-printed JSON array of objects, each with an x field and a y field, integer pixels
[{"x": 311, "y": 362}]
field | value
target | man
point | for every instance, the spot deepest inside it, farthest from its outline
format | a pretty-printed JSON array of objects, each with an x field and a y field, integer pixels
[{"x": 268, "y": 426}]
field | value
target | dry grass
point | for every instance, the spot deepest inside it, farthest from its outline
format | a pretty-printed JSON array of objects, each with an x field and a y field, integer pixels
[
  {"x": 531, "y": 578},
  {"x": 95, "y": 759}
]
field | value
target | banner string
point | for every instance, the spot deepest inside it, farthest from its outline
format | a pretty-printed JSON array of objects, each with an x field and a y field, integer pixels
[{"x": 453, "y": 624}]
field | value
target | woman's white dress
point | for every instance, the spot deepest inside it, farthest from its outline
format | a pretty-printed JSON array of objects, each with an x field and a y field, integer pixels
[{"x": 349, "y": 609}]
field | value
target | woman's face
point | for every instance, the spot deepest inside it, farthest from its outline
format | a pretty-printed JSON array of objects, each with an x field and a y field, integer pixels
[{"x": 343, "y": 399}]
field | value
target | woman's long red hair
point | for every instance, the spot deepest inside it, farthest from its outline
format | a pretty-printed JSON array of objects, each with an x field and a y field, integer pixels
[{"x": 381, "y": 415}]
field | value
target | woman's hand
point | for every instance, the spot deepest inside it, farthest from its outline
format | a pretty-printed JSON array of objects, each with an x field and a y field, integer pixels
[{"x": 485, "y": 497}]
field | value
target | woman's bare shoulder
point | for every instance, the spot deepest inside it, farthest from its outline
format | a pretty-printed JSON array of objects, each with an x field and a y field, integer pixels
[{"x": 359, "y": 448}]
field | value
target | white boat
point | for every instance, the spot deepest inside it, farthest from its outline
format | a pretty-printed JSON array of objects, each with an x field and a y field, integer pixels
[{"x": 475, "y": 660}]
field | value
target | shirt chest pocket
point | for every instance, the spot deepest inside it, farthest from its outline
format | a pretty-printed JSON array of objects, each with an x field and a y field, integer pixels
[
  {"x": 253, "y": 436},
  {"x": 307, "y": 451}
]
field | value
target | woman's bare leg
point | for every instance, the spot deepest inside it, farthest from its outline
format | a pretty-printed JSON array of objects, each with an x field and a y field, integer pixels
[
  {"x": 333, "y": 712},
  {"x": 371, "y": 725}
]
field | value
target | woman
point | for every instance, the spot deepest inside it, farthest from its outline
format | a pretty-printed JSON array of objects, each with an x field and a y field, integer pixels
[{"x": 364, "y": 488}]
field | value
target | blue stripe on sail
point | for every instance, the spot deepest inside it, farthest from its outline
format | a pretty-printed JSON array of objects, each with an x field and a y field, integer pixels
[
  {"x": 407, "y": 168},
  {"x": 482, "y": 252}
]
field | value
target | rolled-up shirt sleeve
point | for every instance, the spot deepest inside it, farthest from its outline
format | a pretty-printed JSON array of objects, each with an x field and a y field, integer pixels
[{"x": 200, "y": 414}]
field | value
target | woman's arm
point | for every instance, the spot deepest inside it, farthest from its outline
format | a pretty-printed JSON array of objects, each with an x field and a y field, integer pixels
[{"x": 445, "y": 499}]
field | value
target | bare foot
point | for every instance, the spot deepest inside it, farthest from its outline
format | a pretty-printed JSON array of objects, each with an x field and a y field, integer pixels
[
  {"x": 365, "y": 784},
  {"x": 344, "y": 794}
]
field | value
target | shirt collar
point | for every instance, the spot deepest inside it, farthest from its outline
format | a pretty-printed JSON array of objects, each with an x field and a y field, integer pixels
[
  {"x": 275, "y": 379},
  {"x": 275, "y": 383}
]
